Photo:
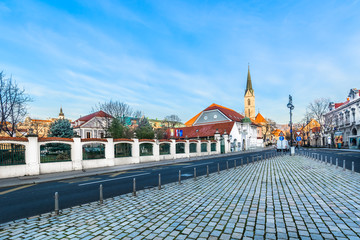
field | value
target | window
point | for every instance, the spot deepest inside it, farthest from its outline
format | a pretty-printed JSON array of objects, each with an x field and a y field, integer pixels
[
  {"x": 88, "y": 135},
  {"x": 55, "y": 152},
  {"x": 203, "y": 147},
  {"x": 122, "y": 150},
  {"x": 192, "y": 147},
  {"x": 180, "y": 148},
  {"x": 146, "y": 149},
  {"x": 164, "y": 148},
  {"x": 248, "y": 101},
  {"x": 93, "y": 151},
  {"x": 101, "y": 135},
  {"x": 12, "y": 154}
]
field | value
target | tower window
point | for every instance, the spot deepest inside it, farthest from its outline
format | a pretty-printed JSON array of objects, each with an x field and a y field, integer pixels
[{"x": 248, "y": 101}]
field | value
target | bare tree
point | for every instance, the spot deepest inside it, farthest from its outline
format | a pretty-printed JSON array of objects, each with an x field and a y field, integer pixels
[
  {"x": 13, "y": 103},
  {"x": 171, "y": 120},
  {"x": 269, "y": 127},
  {"x": 318, "y": 108},
  {"x": 116, "y": 109}
]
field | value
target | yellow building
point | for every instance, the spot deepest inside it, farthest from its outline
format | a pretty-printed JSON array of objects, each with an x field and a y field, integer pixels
[
  {"x": 312, "y": 124},
  {"x": 40, "y": 127}
]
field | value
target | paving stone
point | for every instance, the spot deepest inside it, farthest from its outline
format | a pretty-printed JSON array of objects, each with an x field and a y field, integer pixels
[{"x": 284, "y": 198}]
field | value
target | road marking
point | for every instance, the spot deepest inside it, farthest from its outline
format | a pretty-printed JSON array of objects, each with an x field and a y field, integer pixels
[
  {"x": 15, "y": 189},
  {"x": 77, "y": 180},
  {"x": 198, "y": 165},
  {"x": 113, "y": 179}
]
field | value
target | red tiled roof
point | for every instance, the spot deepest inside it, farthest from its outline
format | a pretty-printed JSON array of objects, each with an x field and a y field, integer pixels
[
  {"x": 95, "y": 114},
  {"x": 20, "y": 139},
  {"x": 260, "y": 119},
  {"x": 123, "y": 140},
  {"x": 207, "y": 130},
  {"x": 340, "y": 104},
  {"x": 233, "y": 115},
  {"x": 93, "y": 140},
  {"x": 146, "y": 140},
  {"x": 50, "y": 139}
]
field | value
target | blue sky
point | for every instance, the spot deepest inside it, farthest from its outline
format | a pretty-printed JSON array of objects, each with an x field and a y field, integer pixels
[{"x": 178, "y": 57}]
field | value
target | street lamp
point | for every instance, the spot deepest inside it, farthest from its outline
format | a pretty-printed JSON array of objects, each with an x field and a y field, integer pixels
[{"x": 291, "y": 107}]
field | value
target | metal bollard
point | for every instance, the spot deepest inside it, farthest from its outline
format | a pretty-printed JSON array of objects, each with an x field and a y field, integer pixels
[
  {"x": 179, "y": 176},
  {"x": 159, "y": 187},
  {"x": 227, "y": 165},
  {"x": 134, "y": 187},
  {"x": 253, "y": 159},
  {"x": 331, "y": 161},
  {"x": 56, "y": 203},
  {"x": 235, "y": 163},
  {"x": 326, "y": 160},
  {"x": 242, "y": 162},
  {"x": 194, "y": 173},
  {"x": 321, "y": 158},
  {"x": 337, "y": 162},
  {"x": 207, "y": 170},
  {"x": 101, "y": 194},
  {"x": 343, "y": 165},
  {"x": 352, "y": 167},
  {"x": 247, "y": 160},
  {"x": 218, "y": 168}
]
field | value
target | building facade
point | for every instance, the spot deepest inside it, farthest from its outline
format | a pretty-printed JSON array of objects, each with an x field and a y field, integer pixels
[
  {"x": 93, "y": 125},
  {"x": 342, "y": 122},
  {"x": 242, "y": 131}
]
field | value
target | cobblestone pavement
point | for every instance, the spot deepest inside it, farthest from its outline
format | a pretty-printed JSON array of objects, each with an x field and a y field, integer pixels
[{"x": 282, "y": 198}]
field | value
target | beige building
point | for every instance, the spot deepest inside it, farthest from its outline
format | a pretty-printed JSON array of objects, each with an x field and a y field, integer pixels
[
  {"x": 39, "y": 127},
  {"x": 249, "y": 98}
]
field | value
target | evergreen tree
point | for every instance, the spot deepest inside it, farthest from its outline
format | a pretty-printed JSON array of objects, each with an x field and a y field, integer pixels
[
  {"x": 116, "y": 129},
  {"x": 144, "y": 130},
  {"x": 61, "y": 128}
]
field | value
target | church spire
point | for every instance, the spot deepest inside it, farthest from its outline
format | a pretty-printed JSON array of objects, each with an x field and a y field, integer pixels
[
  {"x": 61, "y": 114},
  {"x": 248, "y": 83}
]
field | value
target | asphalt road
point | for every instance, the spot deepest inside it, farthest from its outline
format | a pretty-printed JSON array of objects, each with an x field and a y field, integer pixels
[
  {"x": 330, "y": 155},
  {"x": 34, "y": 199}
]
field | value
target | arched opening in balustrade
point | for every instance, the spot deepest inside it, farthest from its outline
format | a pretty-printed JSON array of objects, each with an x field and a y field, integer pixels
[
  {"x": 164, "y": 148},
  {"x": 180, "y": 148},
  {"x": 204, "y": 147},
  {"x": 93, "y": 151},
  {"x": 12, "y": 154},
  {"x": 193, "y": 147},
  {"x": 213, "y": 147},
  {"x": 122, "y": 150},
  {"x": 146, "y": 149},
  {"x": 55, "y": 152}
]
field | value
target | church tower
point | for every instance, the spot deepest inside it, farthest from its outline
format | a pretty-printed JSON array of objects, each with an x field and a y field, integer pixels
[
  {"x": 249, "y": 98},
  {"x": 61, "y": 114}
]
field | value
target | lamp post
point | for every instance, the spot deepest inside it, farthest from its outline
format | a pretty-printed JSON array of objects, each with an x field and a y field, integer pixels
[{"x": 291, "y": 107}]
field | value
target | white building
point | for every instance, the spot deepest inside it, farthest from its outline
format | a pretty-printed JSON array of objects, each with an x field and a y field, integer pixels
[
  {"x": 242, "y": 131},
  {"x": 93, "y": 125},
  {"x": 342, "y": 122}
]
